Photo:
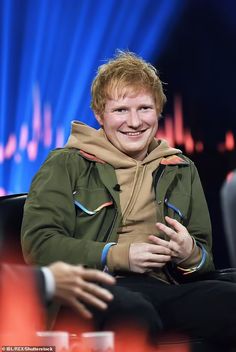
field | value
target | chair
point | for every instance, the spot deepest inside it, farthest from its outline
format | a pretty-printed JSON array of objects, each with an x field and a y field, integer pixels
[
  {"x": 11, "y": 212},
  {"x": 228, "y": 205}
]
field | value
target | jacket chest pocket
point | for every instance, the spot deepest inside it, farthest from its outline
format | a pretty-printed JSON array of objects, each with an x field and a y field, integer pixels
[
  {"x": 91, "y": 207},
  {"x": 177, "y": 206},
  {"x": 89, "y": 202}
]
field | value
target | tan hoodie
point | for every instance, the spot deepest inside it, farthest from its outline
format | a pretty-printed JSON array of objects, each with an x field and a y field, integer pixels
[{"x": 137, "y": 198}]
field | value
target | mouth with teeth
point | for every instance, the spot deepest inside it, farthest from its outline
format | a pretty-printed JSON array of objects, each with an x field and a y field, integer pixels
[{"x": 133, "y": 134}]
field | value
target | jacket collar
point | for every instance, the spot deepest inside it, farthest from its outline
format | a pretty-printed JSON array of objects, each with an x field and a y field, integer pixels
[
  {"x": 169, "y": 160},
  {"x": 173, "y": 160}
]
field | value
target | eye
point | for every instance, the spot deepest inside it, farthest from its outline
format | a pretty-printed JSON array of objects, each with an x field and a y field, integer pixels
[
  {"x": 120, "y": 110},
  {"x": 146, "y": 107}
]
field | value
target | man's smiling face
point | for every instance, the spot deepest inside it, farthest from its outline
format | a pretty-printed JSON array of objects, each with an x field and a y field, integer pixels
[{"x": 130, "y": 121}]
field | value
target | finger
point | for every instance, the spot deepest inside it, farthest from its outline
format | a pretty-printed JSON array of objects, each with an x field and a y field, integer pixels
[
  {"x": 159, "y": 241},
  {"x": 159, "y": 258},
  {"x": 175, "y": 224},
  {"x": 90, "y": 299},
  {"x": 97, "y": 291},
  {"x": 159, "y": 249},
  {"x": 81, "y": 309},
  {"x": 98, "y": 276},
  {"x": 93, "y": 294},
  {"x": 168, "y": 231}
]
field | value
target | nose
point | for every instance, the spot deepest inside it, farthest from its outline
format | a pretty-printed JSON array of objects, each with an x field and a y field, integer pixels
[{"x": 134, "y": 120}]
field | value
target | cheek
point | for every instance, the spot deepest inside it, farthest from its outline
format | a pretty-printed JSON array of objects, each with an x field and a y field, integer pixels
[
  {"x": 109, "y": 129},
  {"x": 112, "y": 125},
  {"x": 153, "y": 121},
  {"x": 154, "y": 127}
]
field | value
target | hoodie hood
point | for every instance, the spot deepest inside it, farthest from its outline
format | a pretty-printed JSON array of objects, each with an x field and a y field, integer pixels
[{"x": 95, "y": 142}]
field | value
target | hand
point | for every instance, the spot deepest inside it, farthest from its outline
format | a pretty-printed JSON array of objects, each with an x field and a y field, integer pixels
[
  {"x": 144, "y": 257},
  {"x": 74, "y": 287},
  {"x": 180, "y": 244}
]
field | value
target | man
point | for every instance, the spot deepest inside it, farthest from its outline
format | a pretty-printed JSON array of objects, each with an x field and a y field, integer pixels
[
  {"x": 22, "y": 289},
  {"x": 119, "y": 199}
]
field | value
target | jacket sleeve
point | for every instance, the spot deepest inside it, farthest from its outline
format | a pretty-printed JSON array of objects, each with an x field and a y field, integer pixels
[
  {"x": 198, "y": 224},
  {"x": 49, "y": 216}
]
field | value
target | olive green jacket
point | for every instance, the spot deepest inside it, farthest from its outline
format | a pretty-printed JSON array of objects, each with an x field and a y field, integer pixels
[{"x": 56, "y": 228}]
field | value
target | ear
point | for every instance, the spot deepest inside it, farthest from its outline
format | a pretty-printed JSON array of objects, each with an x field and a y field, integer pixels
[{"x": 99, "y": 119}]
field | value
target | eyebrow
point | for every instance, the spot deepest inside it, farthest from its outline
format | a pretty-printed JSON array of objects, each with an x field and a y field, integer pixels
[
  {"x": 126, "y": 106},
  {"x": 120, "y": 107}
]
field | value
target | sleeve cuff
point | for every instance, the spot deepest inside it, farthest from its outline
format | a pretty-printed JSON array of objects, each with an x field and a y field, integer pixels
[
  {"x": 105, "y": 251},
  {"x": 50, "y": 284},
  {"x": 118, "y": 257},
  {"x": 191, "y": 269}
]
